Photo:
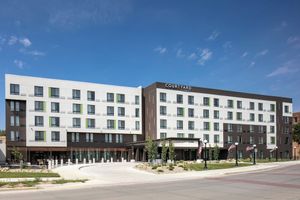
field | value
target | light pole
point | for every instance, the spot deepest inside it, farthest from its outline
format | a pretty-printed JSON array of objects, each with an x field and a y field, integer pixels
[
  {"x": 276, "y": 148},
  {"x": 236, "y": 154},
  {"x": 254, "y": 161},
  {"x": 294, "y": 153},
  {"x": 205, "y": 155}
]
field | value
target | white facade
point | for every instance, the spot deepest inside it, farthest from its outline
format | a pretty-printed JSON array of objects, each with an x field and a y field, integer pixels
[
  {"x": 171, "y": 115},
  {"x": 133, "y": 122}
]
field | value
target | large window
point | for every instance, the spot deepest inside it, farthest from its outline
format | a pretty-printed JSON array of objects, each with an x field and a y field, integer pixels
[
  {"x": 216, "y": 126},
  {"x": 121, "y": 98},
  {"x": 229, "y": 127},
  {"x": 251, "y": 140},
  {"x": 179, "y": 98},
  {"x": 162, "y": 97},
  {"x": 191, "y": 100},
  {"x": 119, "y": 138},
  {"x": 12, "y": 120},
  {"x": 251, "y": 129},
  {"x": 216, "y": 102},
  {"x": 229, "y": 115},
  {"x": 180, "y": 111},
  {"x": 206, "y": 126},
  {"x": 17, "y": 121},
  {"x": 239, "y": 128},
  {"x": 206, "y": 137},
  {"x": 40, "y": 136},
  {"x": 89, "y": 137},
  {"x": 39, "y": 106},
  {"x": 179, "y": 124},
  {"x": 251, "y": 106},
  {"x": 260, "y": 106},
  {"x": 216, "y": 114},
  {"x": 91, "y": 123},
  {"x": 54, "y": 121},
  {"x": 55, "y": 107},
  {"x": 137, "y": 125},
  {"x": 55, "y": 136},
  {"x": 216, "y": 138},
  {"x": 76, "y": 94},
  {"x": 272, "y": 107},
  {"x": 239, "y": 116},
  {"x": 230, "y": 103},
  {"x": 252, "y": 117},
  {"x": 110, "y": 111},
  {"x": 121, "y": 111},
  {"x": 14, "y": 89},
  {"x": 163, "y": 135},
  {"x": 286, "y": 109},
  {"x": 206, "y": 101},
  {"x": 110, "y": 97},
  {"x": 137, "y": 99},
  {"x": 229, "y": 139},
  {"x": 191, "y": 112},
  {"x": 239, "y": 104},
  {"x": 163, "y": 110},
  {"x": 272, "y": 129},
  {"x": 137, "y": 112},
  {"x": 91, "y": 109},
  {"x": 121, "y": 124},
  {"x": 90, "y": 95},
  {"x": 76, "y": 108},
  {"x": 54, "y": 92},
  {"x": 163, "y": 123},
  {"x": 110, "y": 124},
  {"x": 76, "y": 122},
  {"x": 14, "y": 136},
  {"x": 260, "y": 117},
  {"x": 39, "y": 121},
  {"x": 38, "y": 91},
  {"x": 191, "y": 125},
  {"x": 205, "y": 113},
  {"x": 75, "y": 137},
  {"x": 180, "y": 135},
  {"x": 272, "y": 118}
]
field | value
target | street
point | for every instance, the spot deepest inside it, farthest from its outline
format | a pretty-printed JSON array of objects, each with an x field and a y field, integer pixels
[{"x": 280, "y": 183}]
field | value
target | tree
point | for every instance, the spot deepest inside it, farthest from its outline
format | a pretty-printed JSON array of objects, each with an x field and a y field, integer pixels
[
  {"x": 210, "y": 153},
  {"x": 164, "y": 150},
  {"x": 216, "y": 152},
  {"x": 2, "y": 132},
  {"x": 18, "y": 156},
  {"x": 296, "y": 132},
  {"x": 151, "y": 148},
  {"x": 171, "y": 151}
]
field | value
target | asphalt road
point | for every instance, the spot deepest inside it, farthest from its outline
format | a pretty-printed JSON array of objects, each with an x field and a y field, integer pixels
[{"x": 283, "y": 184}]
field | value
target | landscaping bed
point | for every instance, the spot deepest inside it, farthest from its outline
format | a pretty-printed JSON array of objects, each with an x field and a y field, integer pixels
[{"x": 26, "y": 173}]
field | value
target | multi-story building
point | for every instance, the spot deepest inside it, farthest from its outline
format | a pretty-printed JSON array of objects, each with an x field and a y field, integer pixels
[
  {"x": 47, "y": 118},
  {"x": 296, "y": 145},
  {"x": 184, "y": 114}
]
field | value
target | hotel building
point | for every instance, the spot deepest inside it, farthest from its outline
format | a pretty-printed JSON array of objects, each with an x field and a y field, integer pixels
[{"x": 48, "y": 118}]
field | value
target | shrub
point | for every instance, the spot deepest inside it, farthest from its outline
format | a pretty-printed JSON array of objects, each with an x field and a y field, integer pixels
[
  {"x": 154, "y": 167},
  {"x": 160, "y": 170}
]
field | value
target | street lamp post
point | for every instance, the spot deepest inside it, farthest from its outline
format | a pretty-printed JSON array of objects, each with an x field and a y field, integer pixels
[
  {"x": 205, "y": 155},
  {"x": 236, "y": 154},
  {"x": 276, "y": 148},
  {"x": 294, "y": 153},
  {"x": 254, "y": 148}
]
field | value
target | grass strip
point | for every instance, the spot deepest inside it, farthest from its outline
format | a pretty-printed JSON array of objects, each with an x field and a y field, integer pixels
[{"x": 27, "y": 175}]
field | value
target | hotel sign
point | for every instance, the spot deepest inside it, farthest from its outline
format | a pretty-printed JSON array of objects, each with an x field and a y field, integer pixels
[{"x": 178, "y": 87}]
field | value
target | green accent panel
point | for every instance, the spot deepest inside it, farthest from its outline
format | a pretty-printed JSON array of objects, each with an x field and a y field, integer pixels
[
  {"x": 115, "y": 127},
  {"x": 183, "y": 112},
  {"x": 49, "y": 91},
  {"x": 208, "y": 101},
  {"x": 81, "y": 109},
  {"x": 49, "y": 121},
  {"x": 209, "y": 126}
]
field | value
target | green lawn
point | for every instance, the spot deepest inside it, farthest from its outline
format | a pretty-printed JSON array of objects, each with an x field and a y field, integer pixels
[
  {"x": 200, "y": 166},
  {"x": 21, "y": 183},
  {"x": 27, "y": 175},
  {"x": 266, "y": 160},
  {"x": 63, "y": 181}
]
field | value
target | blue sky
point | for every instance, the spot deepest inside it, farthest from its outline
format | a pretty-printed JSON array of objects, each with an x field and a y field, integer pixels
[{"x": 251, "y": 46}]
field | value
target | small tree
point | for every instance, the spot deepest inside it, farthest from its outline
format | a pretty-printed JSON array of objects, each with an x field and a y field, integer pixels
[
  {"x": 18, "y": 156},
  {"x": 164, "y": 150},
  {"x": 216, "y": 152},
  {"x": 171, "y": 151},
  {"x": 296, "y": 132},
  {"x": 210, "y": 153},
  {"x": 151, "y": 149}
]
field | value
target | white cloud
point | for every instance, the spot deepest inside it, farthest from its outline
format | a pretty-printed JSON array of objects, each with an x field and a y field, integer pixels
[
  {"x": 33, "y": 52},
  {"x": 25, "y": 42},
  {"x": 193, "y": 56},
  {"x": 263, "y": 52},
  {"x": 244, "y": 54},
  {"x": 12, "y": 40},
  {"x": 289, "y": 67},
  {"x": 252, "y": 64},
  {"x": 205, "y": 55},
  {"x": 19, "y": 64},
  {"x": 160, "y": 50},
  {"x": 213, "y": 35},
  {"x": 179, "y": 53},
  {"x": 227, "y": 45},
  {"x": 294, "y": 41}
]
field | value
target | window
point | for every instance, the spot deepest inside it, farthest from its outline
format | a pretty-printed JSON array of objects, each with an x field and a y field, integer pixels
[
  {"x": 55, "y": 136},
  {"x": 110, "y": 97},
  {"x": 251, "y": 140},
  {"x": 76, "y": 108},
  {"x": 180, "y": 112},
  {"x": 121, "y": 98},
  {"x": 179, "y": 124},
  {"x": 14, "y": 136},
  {"x": 108, "y": 138},
  {"x": 216, "y": 102},
  {"x": 239, "y": 104},
  {"x": 134, "y": 138},
  {"x": 54, "y": 92},
  {"x": 137, "y": 112},
  {"x": 229, "y": 139},
  {"x": 191, "y": 100},
  {"x": 260, "y": 106},
  {"x": 239, "y": 139},
  {"x": 121, "y": 111},
  {"x": 251, "y": 128},
  {"x": 121, "y": 124},
  {"x": 286, "y": 109},
  {"x": 163, "y": 110},
  {"x": 39, "y": 106},
  {"x": 216, "y": 138},
  {"x": 76, "y": 94},
  {"x": 272, "y": 107},
  {"x": 39, "y": 121},
  {"x": 110, "y": 124},
  {"x": 260, "y": 129},
  {"x": 216, "y": 114},
  {"x": 17, "y": 121},
  {"x": 76, "y": 122},
  {"x": 137, "y": 99},
  {"x": 119, "y": 138},
  {"x": 179, "y": 98},
  {"x": 55, "y": 107},
  {"x": 17, "y": 106},
  {"x": 163, "y": 135},
  {"x": 90, "y": 95},
  {"x": 91, "y": 109},
  {"x": 251, "y": 106},
  {"x": 180, "y": 135},
  {"x": 12, "y": 106},
  {"x": 286, "y": 120},
  {"x": 40, "y": 136},
  {"x": 162, "y": 97},
  {"x": 205, "y": 113},
  {"x": 206, "y": 137},
  {"x": 206, "y": 101},
  {"x": 239, "y": 116},
  {"x": 260, "y": 140},
  {"x": 191, "y": 125},
  {"x": 272, "y": 129},
  {"x": 239, "y": 128},
  {"x": 206, "y": 126},
  {"x": 229, "y": 127},
  {"x": 191, "y": 112},
  {"x": 230, "y": 103},
  {"x": 12, "y": 120},
  {"x": 137, "y": 125},
  {"x": 38, "y": 91},
  {"x": 90, "y": 123},
  {"x": 14, "y": 89},
  {"x": 229, "y": 115},
  {"x": 252, "y": 117},
  {"x": 110, "y": 110},
  {"x": 272, "y": 140},
  {"x": 191, "y": 135},
  {"x": 272, "y": 118},
  {"x": 286, "y": 130},
  {"x": 260, "y": 117},
  {"x": 89, "y": 137},
  {"x": 216, "y": 126},
  {"x": 54, "y": 121},
  {"x": 163, "y": 123},
  {"x": 75, "y": 137}
]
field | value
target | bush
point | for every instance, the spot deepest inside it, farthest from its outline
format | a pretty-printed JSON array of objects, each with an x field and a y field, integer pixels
[
  {"x": 154, "y": 167},
  {"x": 160, "y": 170},
  {"x": 171, "y": 167}
]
